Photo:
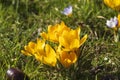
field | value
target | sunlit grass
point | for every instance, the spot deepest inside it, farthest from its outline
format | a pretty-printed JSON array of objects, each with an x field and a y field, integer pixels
[{"x": 19, "y": 24}]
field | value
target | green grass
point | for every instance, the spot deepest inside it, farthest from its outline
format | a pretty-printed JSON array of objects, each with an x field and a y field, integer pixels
[{"x": 19, "y": 24}]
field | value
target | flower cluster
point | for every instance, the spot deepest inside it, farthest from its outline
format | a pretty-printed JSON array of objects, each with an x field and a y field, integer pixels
[
  {"x": 114, "y": 23},
  {"x": 66, "y": 42}
]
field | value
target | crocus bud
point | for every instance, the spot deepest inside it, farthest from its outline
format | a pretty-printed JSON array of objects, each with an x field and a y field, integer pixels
[{"x": 16, "y": 74}]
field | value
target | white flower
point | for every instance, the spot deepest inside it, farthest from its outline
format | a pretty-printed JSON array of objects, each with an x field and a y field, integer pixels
[
  {"x": 105, "y": 58},
  {"x": 112, "y": 22},
  {"x": 67, "y": 11}
]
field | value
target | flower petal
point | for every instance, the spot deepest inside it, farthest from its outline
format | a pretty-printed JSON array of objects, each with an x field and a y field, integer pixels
[
  {"x": 67, "y": 59},
  {"x": 114, "y": 4},
  {"x": 83, "y": 40},
  {"x": 67, "y": 11},
  {"x": 50, "y": 57}
]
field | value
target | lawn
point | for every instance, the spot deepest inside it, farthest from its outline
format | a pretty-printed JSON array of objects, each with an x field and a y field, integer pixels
[{"x": 22, "y": 21}]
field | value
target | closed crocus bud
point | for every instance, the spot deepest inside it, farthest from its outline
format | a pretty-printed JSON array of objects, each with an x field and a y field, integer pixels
[{"x": 16, "y": 74}]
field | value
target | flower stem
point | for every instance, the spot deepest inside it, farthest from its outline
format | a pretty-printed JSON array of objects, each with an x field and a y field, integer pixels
[{"x": 116, "y": 36}]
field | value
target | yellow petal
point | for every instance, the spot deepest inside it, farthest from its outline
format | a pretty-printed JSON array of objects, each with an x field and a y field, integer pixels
[
  {"x": 50, "y": 58},
  {"x": 78, "y": 32},
  {"x": 52, "y": 29},
  {"x": 29, "y": 49},
  {"x": 108, "y": 3},
  {"x": 83, "y": 40},
  {"x": 40, "y": 46},
  {"x": 119, "y": 20},
  {"x": 75, "y": 44},
  {"x": 25, "y": 53},
  {"x": 63, "y": 42},
  {"x": 44, "y": 35},
  {"x": 63, "y": 27},
  {"x": 73, "y": 56},
  {"x": 114, "y": 4},
  {"x": 39, "y": 56},
  {"x": 67, "y": 59}
]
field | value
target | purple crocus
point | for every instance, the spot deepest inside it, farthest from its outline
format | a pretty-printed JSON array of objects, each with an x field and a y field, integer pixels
[
  {"x": 67, "y": 11},
  {"x": 113, "y": 22}
]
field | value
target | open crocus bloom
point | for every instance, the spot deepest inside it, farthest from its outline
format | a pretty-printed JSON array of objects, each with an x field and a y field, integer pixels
[
  {"x": 112, "y": 23},
  {"x": 67, "y": 11},
  {"x": 67, "y": 58},
  {"x": 42, "y": 52},
  {"x": 70, "y": 40},
  {"x": 54, "y": 32},
  {"x": 114, "y": 4},
  {"x": 29, "y": 49},
  {"x": 45, "y": 53},
  {"x": 67, "y": 42}
]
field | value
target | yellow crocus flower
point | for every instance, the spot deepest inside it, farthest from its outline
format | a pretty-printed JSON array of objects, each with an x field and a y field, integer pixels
[
  {"x": 45, "y": 53},
  {"x": 29, "y": 49},
  {"x": 114, "y": 4},
  {"x": 67, "y": 58},
  {"x": 70, "y": 40},
  {"x": 114, "y": 23},
  {"x": 54, "y": 32}
]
